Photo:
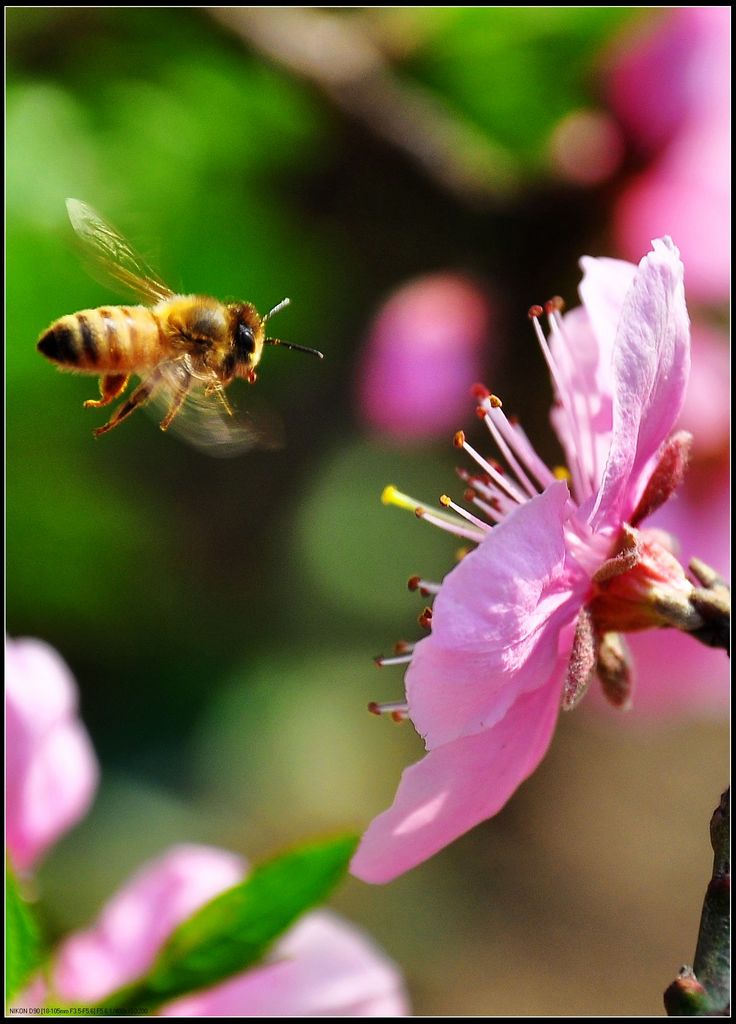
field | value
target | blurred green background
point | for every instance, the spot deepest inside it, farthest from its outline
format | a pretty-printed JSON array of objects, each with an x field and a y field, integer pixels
[{"x": 221, "y": 615}]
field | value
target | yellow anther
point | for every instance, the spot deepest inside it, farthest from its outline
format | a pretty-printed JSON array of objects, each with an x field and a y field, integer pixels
[
  {"x": 392, "y": 496},
  {"x": 561, "y": 473}
]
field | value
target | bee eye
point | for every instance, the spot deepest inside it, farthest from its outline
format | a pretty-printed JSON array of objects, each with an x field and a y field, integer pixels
[{"x": 245, "y": 342}]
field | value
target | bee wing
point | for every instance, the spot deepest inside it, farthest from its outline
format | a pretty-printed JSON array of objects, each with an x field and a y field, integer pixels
[
  {"x": 112, "y": 255},
  {"x": 206, "y": 419}
]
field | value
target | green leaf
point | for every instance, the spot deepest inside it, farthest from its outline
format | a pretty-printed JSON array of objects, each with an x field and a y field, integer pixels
[
  {"x": 22, "y": 938},
  {"x": 234, "y": 931}
]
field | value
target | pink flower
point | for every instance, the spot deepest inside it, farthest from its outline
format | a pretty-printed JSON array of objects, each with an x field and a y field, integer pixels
[
  {"x": 422, "y": 354},
  {"x": 667, "y": 70},
  {"x": 529, "y": 616},
  {"x": 321, "y": 967},
  {"x": 692, "y": 678},
  {"x": 672, "y": 89},
  {"x": 51, "y": 769}
]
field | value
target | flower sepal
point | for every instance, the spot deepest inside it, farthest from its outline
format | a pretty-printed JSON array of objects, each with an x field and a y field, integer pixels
[{"x": 651, "y": 590}]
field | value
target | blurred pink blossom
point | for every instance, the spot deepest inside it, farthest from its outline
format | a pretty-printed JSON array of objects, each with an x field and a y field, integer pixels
[
  {"x": 135, "y": 923},
  {"x": 688, "y": 190},
  {"x": 423, "y": 352},
  {"x": 667, "y": 69},
  {"x": 322, "y": 966},
  {"x": 526, "y": 620},
  {"x": 671, "y": 87},
  {"x": 51, "y": 769},
  {"x": 707, "y": 409}
]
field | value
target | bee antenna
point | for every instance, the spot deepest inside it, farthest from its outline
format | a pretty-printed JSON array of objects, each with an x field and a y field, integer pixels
[
  {"x": 297, "y": 348},
  {"x": 276, "y": 309}
]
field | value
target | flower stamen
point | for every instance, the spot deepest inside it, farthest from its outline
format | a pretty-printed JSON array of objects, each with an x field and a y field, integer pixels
[
  {"x": 424, "y": 587},
  {"x": 527, "y": 452},
  {"x": 513, "y": 492},
  {"x": 400, "y": 659},
  {"x": 425, "y": 619},
  {"x": 398, "y": 710},
  {"x": 450, "y": 527},
  {"x": 393, "y": 496},
  {"x": 449, "y": 503},
  {"x": 563, "y": 395},
  {"x": 497, "y": 500},
  {"x": 557, "y": 327},
  {"x": 491, "y": 407}
]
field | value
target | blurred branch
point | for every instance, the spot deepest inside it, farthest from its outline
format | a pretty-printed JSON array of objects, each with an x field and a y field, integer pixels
[
  {"x": 703, "y": 990},
  {"x": 342, "y": 61}
]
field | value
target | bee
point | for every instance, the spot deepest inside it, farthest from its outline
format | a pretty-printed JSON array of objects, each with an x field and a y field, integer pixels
[{"x": 186, "y": 349}]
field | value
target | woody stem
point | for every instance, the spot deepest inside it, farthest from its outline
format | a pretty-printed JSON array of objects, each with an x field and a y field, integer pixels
[{"x": 703, "y": 990}]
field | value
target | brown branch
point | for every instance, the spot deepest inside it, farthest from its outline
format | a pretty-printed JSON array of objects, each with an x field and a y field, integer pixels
[
  {"x": 703, "y": 990},
  {"x": 346, "y": 65}
]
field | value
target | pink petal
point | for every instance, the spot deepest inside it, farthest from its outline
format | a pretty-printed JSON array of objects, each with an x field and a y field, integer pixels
[
  {"x": 459, "y": 785},
  {"x": 139, "y": 918},
  {"x": 603, "y": 290},
  {"x": 51, "y": 769},
  {"x": 589, "y": 386},
  {"x": 422, "y": 355},
  {"x": 651, "y": 365},
  {"x": 41, "y": 687},
  {"x": 495, "y": 623},
  {"x": 585, "y": 356},
  {"x": 322, "y": 967}
]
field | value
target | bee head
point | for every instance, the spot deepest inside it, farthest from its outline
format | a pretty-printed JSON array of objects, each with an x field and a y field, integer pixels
[{"x": 248, "y": 337}]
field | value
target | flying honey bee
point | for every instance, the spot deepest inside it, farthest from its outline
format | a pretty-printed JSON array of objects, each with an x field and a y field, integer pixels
[{"x": 186, "y": 349}]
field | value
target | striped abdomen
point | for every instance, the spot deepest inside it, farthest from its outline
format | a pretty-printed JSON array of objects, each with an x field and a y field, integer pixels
[{"x": 110, "y": 339}]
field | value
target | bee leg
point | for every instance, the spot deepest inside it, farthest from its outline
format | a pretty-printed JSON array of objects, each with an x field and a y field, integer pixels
[
  {"x": 216, "y": 388},
  {"x": 223, "y": 398},
  {"x": 141, "y": 395},
  {"x": 176, "y": 403},
  {"x": 112, "y": 386}
]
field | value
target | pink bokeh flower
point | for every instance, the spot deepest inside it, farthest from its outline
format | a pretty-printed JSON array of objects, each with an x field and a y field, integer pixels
[
  {"x": 667, "y": 68},
  {"x": 422, "y": 353},
  {"x": 707, "y": 409},
  {"x": 51, "y": 769},
  {"x": 322, "y": 966},
  {"x": 670, "y": 86},
  {"x": 524, "y": 622}
]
